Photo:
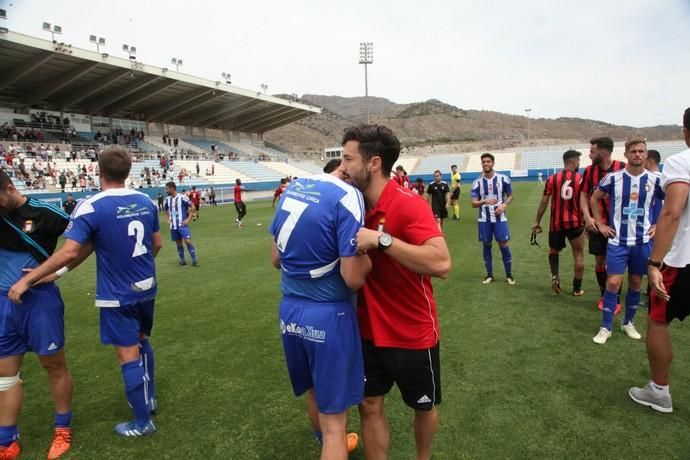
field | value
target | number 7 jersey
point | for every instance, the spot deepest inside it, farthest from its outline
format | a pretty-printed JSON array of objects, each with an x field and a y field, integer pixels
[
  {"x": 565, "y": 188},
  {"x": 120, "y": 223}
]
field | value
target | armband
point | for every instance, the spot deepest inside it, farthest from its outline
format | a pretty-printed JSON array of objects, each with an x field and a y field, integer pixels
[{"x": 61, "y": 272}]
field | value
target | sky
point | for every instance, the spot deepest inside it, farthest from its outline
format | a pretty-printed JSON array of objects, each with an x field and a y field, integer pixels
[{"x": 619, "y": 61}]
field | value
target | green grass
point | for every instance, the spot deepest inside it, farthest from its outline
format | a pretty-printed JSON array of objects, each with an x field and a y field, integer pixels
[{"x": 521, "y": 376}]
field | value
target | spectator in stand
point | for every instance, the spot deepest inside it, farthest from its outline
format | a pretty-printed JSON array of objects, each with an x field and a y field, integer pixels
[{"x": 63, "y": 182}]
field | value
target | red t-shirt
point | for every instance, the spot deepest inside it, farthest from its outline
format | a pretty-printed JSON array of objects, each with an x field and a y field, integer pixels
[
  {"x": 397, "y": 306},
  {"x": 238, "y": 193},
  {"x": 590, "y": 182},
  {"x": 195, "y": 197},
  {"x": 279, "y": 191},
  {"x": 564, "y": 189}
]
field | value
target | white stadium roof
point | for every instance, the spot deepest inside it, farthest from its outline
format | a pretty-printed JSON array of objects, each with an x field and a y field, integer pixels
[{"x": 52, "y": 75}]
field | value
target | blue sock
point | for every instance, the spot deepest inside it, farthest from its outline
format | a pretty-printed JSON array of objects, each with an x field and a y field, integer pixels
[
  {"x": 610, "y": 299},
  {"x": 146, "y": 352},
  {"x": 8, "y": 434},
  {"x": 488, "y": 261},
  {"x": 507, "y": 259},
  {"x": 319, "y": 437},
  {"x": 63, "y": 420},
  {"x": 180, "y": 253},
  {"x": 632, "y": 301},
  {"x": 192, "y": 252},
  {"x": 135, "y": 387}
]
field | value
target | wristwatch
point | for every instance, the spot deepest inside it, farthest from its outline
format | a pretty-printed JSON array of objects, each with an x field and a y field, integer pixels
[
  {"x": 385, "y": 241},
  {"x": 653, "y": 263}
]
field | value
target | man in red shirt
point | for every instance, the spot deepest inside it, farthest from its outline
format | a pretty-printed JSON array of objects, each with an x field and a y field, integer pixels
[
  {"x": 396, "y": 307},
  {"x": 563, "y": 189},
  {"x": 195, "y": 198},
  {"x": 600, "y": 153},
  {"x": 279, "y": 191},
  {"x": 240, "y": 207},
  {"x": 401, "y": 177}
]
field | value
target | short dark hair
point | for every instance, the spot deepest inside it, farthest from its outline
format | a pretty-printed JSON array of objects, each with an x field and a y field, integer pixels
[
  {"x": 399, "y": 168},
  {"x": 603, "y": 142},
  {"x": 438, "y": 171},
  {"x": 193, "y": 187},
  {"x": 453, "y": 166},
  {"x": 238, "y": 181},
  {"x": 654, "y": 155},
  {"x": 171, "y": 184},
  {"x": 375, "y": 140},
  {"x": 686, "y": 118},
  {"x": 419, "y": 179},
  {"x": 571, "y": 154},
  {"x": 488, "y": 155},
  {"x": 114, "y": 164},
  {"x": 5, "y": 179},
  {"x": 332, "y": 165},
  {"x": 282, "y": 181}
]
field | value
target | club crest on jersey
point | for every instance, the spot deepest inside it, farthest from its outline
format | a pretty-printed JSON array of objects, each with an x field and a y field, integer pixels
[{"x": 28, "y": 226}]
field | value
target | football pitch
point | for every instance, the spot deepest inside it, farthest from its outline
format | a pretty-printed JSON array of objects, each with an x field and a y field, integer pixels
[{"x": 521, "y": 376}]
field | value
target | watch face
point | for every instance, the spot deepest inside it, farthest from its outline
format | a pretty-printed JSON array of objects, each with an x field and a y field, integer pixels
[{"x": 385, "y": 240}]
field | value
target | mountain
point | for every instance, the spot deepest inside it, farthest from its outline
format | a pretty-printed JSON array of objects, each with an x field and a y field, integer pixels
[{"x": 425, "y": 126}]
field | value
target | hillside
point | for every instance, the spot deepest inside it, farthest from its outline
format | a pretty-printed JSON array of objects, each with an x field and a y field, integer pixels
[{"x": 432, "y": 123}]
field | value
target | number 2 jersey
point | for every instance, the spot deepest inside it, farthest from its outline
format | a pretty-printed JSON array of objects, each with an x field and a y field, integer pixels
[
  {"x": 120, "y": 223},
  {"x": 565, "y": 188},
  {"x": 315, "y": 225}
]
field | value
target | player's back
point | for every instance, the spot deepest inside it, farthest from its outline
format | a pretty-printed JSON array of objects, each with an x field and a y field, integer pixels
[
  {"x": 121, "y": 224},
  {"x": 565, "y": 188},
  {"x": 314, "y": 226}
]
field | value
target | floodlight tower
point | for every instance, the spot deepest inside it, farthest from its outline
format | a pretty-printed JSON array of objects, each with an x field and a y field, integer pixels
[
  {"x": 98, "y": 41},
  {"x": 527, "y": 112},
  {"x": 53, "y": 29},
  {"x": 366, "y": 57},
  {"x": 131, "y": 50},
  {"x": 227, "y": 78},
  {"x": 264, "y": 87},
  {"x": 177, "y": 62}
]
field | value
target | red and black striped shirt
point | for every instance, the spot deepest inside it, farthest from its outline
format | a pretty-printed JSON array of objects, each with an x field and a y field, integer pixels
[
  {"x": 590, "y": 182},
  {"x": 564, "y": 189}
]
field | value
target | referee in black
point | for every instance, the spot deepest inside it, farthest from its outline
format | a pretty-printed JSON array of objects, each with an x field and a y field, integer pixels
[{"x": 439, "y": 198}]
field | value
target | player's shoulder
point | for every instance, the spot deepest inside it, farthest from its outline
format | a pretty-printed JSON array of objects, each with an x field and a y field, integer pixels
[{"x": 47, "y": 208}]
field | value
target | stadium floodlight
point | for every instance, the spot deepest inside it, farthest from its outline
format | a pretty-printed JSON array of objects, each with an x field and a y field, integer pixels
[
  {"x": 3, "y": 13},
  {"x": 264, "y": 87},
  {"x": 227, "y": 78},
  {"x": 98, "y": 41},
  {"x": 366, "y": 57},
  {"x": 53, "y": 29},
  {"x": 527, "y": 112},
  {"x": 131, "y": 50},
  {"x": 177, "y": 62}
]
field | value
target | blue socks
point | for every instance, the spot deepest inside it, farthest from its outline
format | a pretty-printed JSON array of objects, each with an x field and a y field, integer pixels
[
  {"x": 319, "y": 437},
  {"x": 63, "y": 420},
  {"x": 488, "y": 261},
  {"x": 192, "y": 252},
  {"x": 610, "y": 301},
  {"x": 134, "y": 378},
  {"x": 180, "y": 253},
  {"x": 9, "y": 434},
  {"x": 507, "y": 259},
  {"x": 146, "y": 352},
  {"x": 632, "y": 301}
]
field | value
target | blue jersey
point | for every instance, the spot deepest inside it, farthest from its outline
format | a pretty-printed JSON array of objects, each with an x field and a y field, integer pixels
[
  {"x": 120, "y": 223},
  {"x": 315, "y": 225},
  {"x": 631, "y": 204},
  {"x": 178, "y": 207},
  {"x": 497, "y": 186}
]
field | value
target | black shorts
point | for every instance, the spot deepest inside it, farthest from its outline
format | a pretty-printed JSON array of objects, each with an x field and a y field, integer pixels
[
  {"x": 440, "y": 212},
  {"x": 240, "y": 207},
  {"x": 557, "y": 239},
  {"x": 597, "y": 243},
  {"x": 677, "y": 283},
  {"x": 416, "y": 372},
  {"x": 455, "y": 194}
]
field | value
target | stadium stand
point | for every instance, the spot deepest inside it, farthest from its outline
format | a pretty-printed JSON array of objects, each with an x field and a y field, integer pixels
[{"x": 431, "y": 163}]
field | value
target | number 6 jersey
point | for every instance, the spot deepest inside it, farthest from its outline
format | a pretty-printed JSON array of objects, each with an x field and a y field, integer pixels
[
  {"x": 120, "y": 223},
  {"x": 564, "y": 188}
]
